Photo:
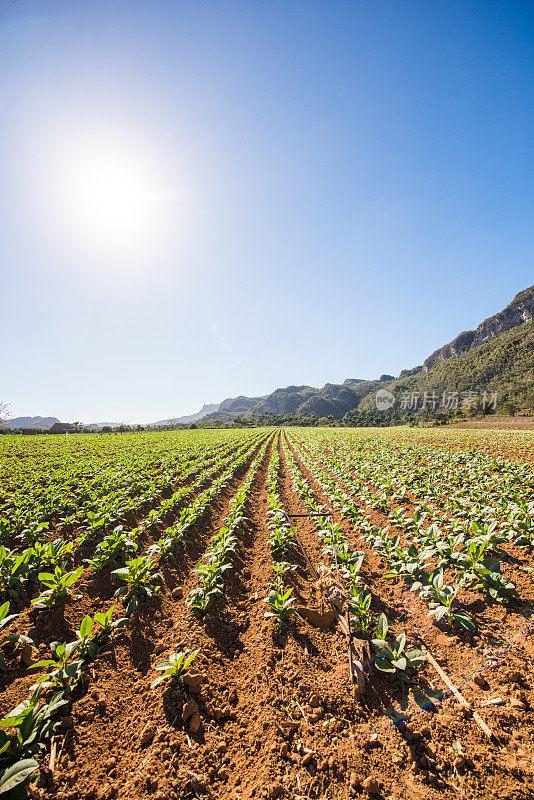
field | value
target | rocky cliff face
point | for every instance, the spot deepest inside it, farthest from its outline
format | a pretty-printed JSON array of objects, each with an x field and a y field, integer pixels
[
  {"x": 238, "y": 405},
  {"x": 461, "y": 344},
  {"x": 520, "y": 310}
]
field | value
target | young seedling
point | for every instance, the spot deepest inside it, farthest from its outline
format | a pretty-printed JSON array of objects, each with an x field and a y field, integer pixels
[
  {"x": 395, "y": 658},
  {"x": 13, "y": 571},
  {"x": 49, "y": 555},
  {"x": 175, "y": 668},
  {"x": 66, "y": 672},
  {"x": 24, "y": 736},
  {"x": 281, "y": 606},
  {"x": 359, "y": 604},
  {"x": 59, "y": 590},
  {"x": 115, "y": 548},
  {"x": 281, "y": 568},
  {"x": 204, "y": 596},
  {"x": 140, "y": 579},
  {"x": 92, "y": 642},
  {"x": 441, "y": 602}
]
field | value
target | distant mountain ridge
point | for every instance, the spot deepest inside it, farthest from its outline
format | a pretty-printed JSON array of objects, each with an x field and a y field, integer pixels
[
  {"x": 497, "y": 356},
  {"x": 208, "y": 408},
  {"x": 40, "y": 423}
]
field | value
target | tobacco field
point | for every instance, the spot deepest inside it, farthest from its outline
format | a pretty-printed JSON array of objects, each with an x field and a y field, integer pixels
[{"x": 263, "y": 613}]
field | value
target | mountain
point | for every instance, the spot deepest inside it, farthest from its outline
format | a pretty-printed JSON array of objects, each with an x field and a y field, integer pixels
[
  {"x": 519, "y": 311},
  {"x": 97, "y": 425},
  {"x": 498, "y": 356},
  {"x": 503, "y": 364},
  {"x": 239, "y": 404},
  {"x": 41, "y": 423},
  {"x": 206, "y": 409}
]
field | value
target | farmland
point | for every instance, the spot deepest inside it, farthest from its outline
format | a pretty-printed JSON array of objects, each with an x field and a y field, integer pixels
[{"x": 121, "y": 553}]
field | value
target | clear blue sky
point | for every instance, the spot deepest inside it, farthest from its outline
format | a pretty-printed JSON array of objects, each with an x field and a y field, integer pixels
[{"x": 321, "y": 190}]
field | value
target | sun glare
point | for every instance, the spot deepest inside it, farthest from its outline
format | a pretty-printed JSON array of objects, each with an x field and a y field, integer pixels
[{"x": 111, "y": 201}]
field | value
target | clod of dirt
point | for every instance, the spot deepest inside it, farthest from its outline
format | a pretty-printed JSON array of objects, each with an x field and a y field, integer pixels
[
  {"x": 373, "y": 741},
  {"x": 514, "y": 703},
  {"x": 336, "y": 596},
  {"x": 315, "y": 618},
  {"x": 107, "y": 792},
  {"x": 515, "y": 677},
  {"x": 111, "y": 763},
  {"x": 198, "y": 783},
  {"x": 189, "y": 709},
  {"x": 314, "y": 701},
  {"x": 479, "y": 680},
  {"x": 27, "y": 655},
  {"x": 177, "y": 593},
  {"x": 193, "y": 682},
  {"x": 159, "y": 648},
  {"x": 288, "y": 727},
  {"x": 232, "y": 697},
  {"x": 275, "y": 790},
  {"x": 370, "y": 785},
  {"x": 195, "y": 723},
  {"x": 354, "y": 780},
  {"x": 148, "y": 733}
]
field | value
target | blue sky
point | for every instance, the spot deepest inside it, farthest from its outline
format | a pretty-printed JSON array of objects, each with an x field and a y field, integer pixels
[{"x": 322, "y": 190}]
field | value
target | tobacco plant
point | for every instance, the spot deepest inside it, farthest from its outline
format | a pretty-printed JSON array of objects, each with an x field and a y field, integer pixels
[
  {"x": 59, "y": 590},
  {"x": 394, "y": 658},
  {"x": 175, "y": 667},
  {"x": 442, "y": 599},
  {"x": 140, "y": 579},
  {"x": 280, "y": 605}
]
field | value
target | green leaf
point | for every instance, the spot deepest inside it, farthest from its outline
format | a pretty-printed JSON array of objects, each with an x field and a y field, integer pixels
[
  {"x": 3, "y": 610},
  {"x": 164, "y": 665},
  {"x": 17, "y": 774},
  {"x": 415, "y": 657},
  {"x": 48, "y": 662},
  {"x": 381, "y": 626},
  {"x": 380, "y": 644},
  {"x": 384, "y": 666},
  {"x": 86, "y": 627}
]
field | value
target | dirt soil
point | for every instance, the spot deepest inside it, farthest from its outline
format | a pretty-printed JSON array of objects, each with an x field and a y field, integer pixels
[{"x": 491, "y": 422}]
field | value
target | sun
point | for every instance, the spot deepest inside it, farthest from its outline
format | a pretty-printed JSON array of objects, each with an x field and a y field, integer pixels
[
  {"x": 109, "y": 195},
  {"x": 112, "y": 201}
]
